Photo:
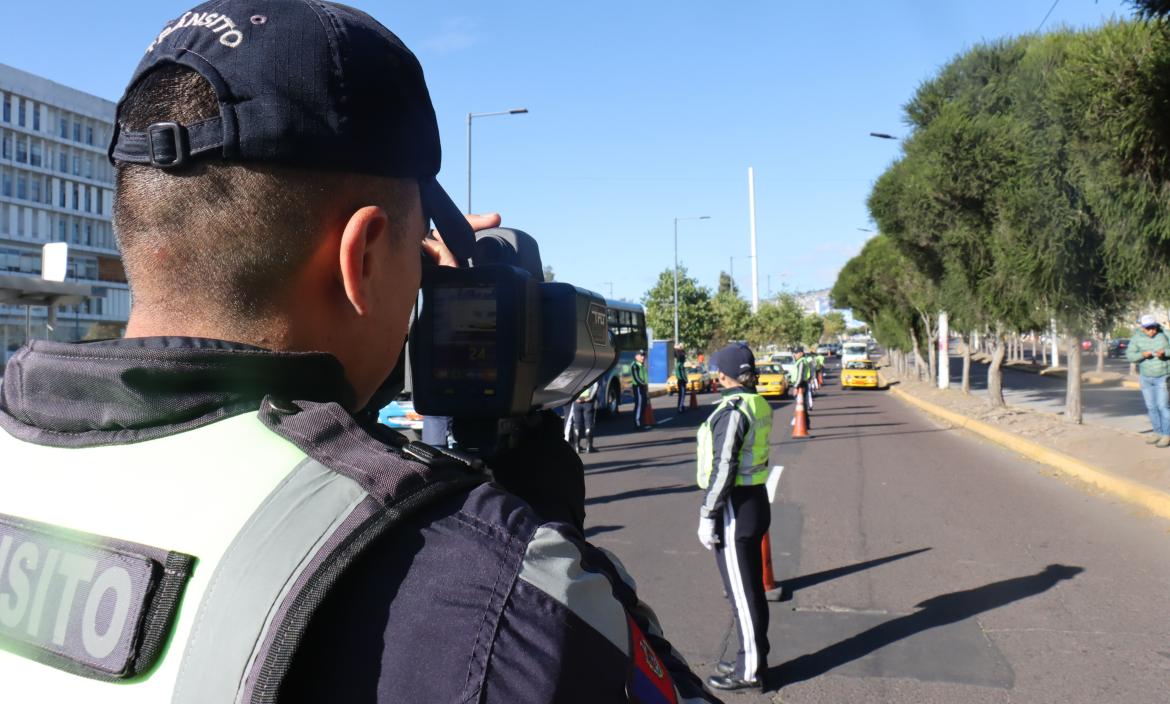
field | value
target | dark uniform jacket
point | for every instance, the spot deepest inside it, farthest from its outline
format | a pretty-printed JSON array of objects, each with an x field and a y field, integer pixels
[{"x": 462, "y": 603}]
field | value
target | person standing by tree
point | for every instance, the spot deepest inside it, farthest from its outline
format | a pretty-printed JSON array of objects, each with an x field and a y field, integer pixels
[
  {"x": 641, "y": 388},
  {"x": 1151, "y": 351},
  {"x": 680, "y": 373}
]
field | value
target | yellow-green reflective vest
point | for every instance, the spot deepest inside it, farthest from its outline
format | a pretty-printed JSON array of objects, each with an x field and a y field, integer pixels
[{"x": 753, "y": 454}]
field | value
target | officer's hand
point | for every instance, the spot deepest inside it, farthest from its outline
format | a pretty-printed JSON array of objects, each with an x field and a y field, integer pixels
[
  {"x": 546, "y": 472},
  {"x": 707, "y": 533},
  {"x": 434, "y": 245}
]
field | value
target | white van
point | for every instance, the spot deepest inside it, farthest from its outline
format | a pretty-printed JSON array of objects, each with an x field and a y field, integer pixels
[{"x": 854, "y": 352}]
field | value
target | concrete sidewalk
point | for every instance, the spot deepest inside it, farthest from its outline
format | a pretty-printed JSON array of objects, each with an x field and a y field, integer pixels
[{"x": 1110, "y": 461}]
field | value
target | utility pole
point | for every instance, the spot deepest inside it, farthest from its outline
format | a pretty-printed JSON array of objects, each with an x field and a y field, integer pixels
[{"x": 752, "y": 223}]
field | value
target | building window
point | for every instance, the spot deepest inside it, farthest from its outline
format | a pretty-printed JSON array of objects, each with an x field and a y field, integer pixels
[
  {"x": 76, "y": 198},
  {"x": 20, "y": 112},
  {"x": 100, "y": 201},
  {"x": 7, "y": 108},
  {"x": 61, "y": 225},
  {"x": 76, "y": 165},
  {"x": 6, "y": 184},
  {"x": 21, "y": 186},
  {"x": 88, "y": 207},
  {"x": 76, "y": 132},
  {"x": 61, "y": 195},
  {"x": 21, "y": 150},
  {"x": 89, "y": 168},
  {"x": 35, "y": 153},
  {"x": 37, "y": 118},
  {"x": 64, "y": 127},
  {"x": 35, "y": 188},
  {"x": 3, "y": 218},
  {"x": 89, "y": 134},
  {"x": 76, "y": 232},
  {"x": 7, "y": 148}
]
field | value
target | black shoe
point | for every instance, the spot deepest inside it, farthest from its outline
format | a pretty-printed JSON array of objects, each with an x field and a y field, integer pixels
[
  {"x": 724, "y": 668},
  {"x": 729, "y": 683}
]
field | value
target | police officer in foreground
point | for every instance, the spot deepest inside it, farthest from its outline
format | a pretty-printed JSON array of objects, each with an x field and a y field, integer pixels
[
  {"x": 732, "y": 466},
  {"x": 202, "y": 512}
]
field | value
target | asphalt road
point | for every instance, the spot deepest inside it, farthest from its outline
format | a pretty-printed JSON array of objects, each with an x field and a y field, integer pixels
[{"x": 920, "y": 564}]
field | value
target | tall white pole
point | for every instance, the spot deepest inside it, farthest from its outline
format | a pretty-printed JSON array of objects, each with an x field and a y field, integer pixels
[
  {"x": 752, "y": 220},
  {"x": 676, "y": 281},
  {"x": 1055, "y": 346},
  {"x": 944, "y": 357}
]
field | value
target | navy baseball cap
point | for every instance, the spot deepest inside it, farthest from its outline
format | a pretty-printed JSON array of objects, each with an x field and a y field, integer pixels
[
  {"x": 302, "y": 83},
  {"x": 733, "y": 360}
]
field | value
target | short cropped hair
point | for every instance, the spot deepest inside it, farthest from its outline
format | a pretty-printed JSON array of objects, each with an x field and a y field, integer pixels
[{"x": 224, "y": 236}]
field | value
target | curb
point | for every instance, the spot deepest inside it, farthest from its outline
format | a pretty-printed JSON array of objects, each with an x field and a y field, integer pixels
[{"x": 1153, "y": 500}]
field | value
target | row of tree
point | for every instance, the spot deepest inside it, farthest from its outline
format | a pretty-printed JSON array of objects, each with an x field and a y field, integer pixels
[
  {"x": 1033, "y": 191},
  {"x": 708, "y": 321}
]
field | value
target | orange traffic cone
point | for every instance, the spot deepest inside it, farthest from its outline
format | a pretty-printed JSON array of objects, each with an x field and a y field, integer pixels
[
  {"x": 771, "y": 589},
  {"x": 648, "y": 414},
  {"x": 820, "y": 378},
  {"x": 694, "y": 399},
  {"x": 800, "y": 424}
]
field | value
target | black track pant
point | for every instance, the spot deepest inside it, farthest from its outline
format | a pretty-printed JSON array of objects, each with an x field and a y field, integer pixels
[
  {"x": 746, "y": 516},
  {"x": 641, "y": 398}
]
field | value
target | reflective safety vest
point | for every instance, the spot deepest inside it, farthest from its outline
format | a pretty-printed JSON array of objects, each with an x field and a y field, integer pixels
[
  {"x": 802, "y": 372},
  {"x": 183, "y": 568},
  {"x": 753, "y": 454},
  {"x": 588, "y": 394}
]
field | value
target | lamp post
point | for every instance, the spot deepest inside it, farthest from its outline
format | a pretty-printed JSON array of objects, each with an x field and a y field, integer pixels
[
  {"x": 700, "y": 217},
  {"x": 470, "y": 115},
  {"x": 731, "y": 268},
  {"x": 779, "y": 274}
]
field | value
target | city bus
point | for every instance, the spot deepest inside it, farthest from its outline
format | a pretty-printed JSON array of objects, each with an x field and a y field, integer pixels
[{"x": 627, "y": 326}]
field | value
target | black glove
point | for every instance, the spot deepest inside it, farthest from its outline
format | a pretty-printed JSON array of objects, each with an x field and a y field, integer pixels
[{"x": 546, "y": 472}]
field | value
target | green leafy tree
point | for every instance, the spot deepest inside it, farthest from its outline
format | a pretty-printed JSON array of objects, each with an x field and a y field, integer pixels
[
  {"x": 834, "y": 326},
  {"x": 813, "y": 327},
  {"x": 696, "y": 317},
  {"x": 727, "y": 284},
  {"x": 733, "y": 317}
]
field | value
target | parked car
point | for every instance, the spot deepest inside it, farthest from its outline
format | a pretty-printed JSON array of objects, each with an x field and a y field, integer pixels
[
  {"x": 698, "y": 379},
  {"x": 787, "y": 362},
  {"x": 824, "y": 350},
  {"x": 771, "y": 380},
  {"x": 859, "y": 374},
  {"x": 1117, "y": 348}
]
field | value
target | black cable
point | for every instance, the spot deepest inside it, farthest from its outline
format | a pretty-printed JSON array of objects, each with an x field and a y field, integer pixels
[{"x": 1047, "y": 15}]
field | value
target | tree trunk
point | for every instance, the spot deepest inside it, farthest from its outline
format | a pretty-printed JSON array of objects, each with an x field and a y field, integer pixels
[
  {"x": 1034, "y": 336},
  {"x": 919, "y": 363},
  {"x": 1073, "y": 409},
  {"x": 1044, "y": 355},
  {"x": 1101, "y": 353},
  {"x": 995, "y": 372},
  {"x": 966, "y": 365}
]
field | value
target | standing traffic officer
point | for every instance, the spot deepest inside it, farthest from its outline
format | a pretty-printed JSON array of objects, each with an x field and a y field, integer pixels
[
  {"x": 732, "y": 466},
  {"x": 641, "y": 387},
  {"x": 802, "y": 375},
  {"x": 680, "y": 374}
]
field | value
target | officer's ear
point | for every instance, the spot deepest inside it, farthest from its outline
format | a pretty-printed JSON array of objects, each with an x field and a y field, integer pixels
[{"x": 361, "y": 252}]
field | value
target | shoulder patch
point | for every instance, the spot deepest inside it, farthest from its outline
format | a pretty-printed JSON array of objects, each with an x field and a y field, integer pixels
[
  {"x": 90, "y": 605},
  {"x": 649, "y": 681}
]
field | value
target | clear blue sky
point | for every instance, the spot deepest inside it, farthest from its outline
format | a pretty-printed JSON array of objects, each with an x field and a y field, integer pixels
[{"x": 640, "y": 112}]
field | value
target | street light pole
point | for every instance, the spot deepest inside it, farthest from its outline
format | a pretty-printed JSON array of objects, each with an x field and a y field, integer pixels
[
  {"x": 470, "y": 115},
  {"x": 701, "y": 217}
]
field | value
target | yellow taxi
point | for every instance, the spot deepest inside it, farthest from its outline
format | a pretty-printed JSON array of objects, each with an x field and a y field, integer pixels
[
  {"x": 771, "y": 380},
  {"x": 859, "y": 374},
  {"x": 697, "y": 380}
]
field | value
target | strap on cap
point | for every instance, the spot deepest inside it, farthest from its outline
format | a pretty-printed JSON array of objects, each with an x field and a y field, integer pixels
[{"x": 168, "y": 145}]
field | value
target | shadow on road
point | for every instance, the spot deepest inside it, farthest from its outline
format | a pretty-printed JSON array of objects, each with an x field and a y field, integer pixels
[
  {"x": 626, "y": 465},
  {"x": 788, "y": 586},
  {"x": 639, "y": 493},
  {"x": 592, "y": 531},
  {"x": 849, "y": 436},
  {"x": 937, "y": 611}
]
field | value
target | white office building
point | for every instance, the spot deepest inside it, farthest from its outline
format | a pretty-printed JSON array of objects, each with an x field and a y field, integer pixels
[{"x": 56, "y": 185}]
